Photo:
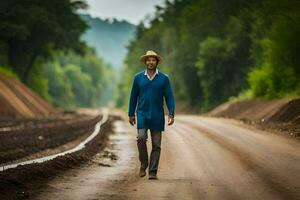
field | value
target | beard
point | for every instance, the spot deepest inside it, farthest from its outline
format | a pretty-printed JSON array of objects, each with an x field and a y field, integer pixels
[{"x": 151, "y": 66}]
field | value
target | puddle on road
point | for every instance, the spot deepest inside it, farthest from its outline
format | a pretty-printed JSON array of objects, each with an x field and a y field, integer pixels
[{"x": 120, "y": 127}]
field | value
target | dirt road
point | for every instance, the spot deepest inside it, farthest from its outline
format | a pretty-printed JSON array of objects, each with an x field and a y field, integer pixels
[{"x": 201, "y": 158}]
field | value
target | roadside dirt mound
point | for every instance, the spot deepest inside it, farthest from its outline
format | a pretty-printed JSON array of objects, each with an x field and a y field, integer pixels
[
  {"x": 280, "y": 116},
  {"x": 251, "y": 109},
  {"x": 290, "y": 112},
  {"x": 17, "y": 100}
]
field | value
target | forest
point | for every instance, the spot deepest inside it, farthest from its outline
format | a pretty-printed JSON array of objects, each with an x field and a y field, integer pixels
[
  {"x": 216, "y": 50},
  {"x": 213, "y": 50},
  {"x": 40, "y": 44}
]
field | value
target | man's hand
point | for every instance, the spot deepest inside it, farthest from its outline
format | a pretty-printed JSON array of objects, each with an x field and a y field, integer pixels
[
  {"x": 132, "y": 120},
  {"x": 170, "y": 120}
]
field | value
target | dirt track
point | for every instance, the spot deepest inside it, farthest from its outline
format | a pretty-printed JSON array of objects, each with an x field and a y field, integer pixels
[{"x": 202, "y": 158}]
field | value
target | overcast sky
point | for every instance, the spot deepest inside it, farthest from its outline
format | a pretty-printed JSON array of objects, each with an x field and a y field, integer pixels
[{"x": 131, "y": 10}]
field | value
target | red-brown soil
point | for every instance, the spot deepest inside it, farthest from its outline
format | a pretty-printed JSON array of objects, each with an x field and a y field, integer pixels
[
  {"x": 282, "y": 115},
  {"x": 17, "y": 100},
  {"x": 19, "y": 183},
  {"x": 24, "y": 137}
]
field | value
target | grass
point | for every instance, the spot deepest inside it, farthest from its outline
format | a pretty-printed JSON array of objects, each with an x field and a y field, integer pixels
[
  {"x": 243, "y": 95},
  {"x": 8, "y": 72}
]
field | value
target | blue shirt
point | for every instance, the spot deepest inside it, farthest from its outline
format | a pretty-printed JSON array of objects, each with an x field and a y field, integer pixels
[{"x": 147, "y": 95}]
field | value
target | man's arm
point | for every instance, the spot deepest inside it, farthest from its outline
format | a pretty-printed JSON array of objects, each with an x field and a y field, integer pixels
[
  {"x": 168, "y": 93},
  {"x": 133, "y": 98}
]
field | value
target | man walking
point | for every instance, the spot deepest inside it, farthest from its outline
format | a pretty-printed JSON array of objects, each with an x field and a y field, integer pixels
[{"x": 148, "y": 89}]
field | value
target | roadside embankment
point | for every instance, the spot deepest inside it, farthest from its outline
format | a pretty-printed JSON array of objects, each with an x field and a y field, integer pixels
[{"x": 280, "y": 115}]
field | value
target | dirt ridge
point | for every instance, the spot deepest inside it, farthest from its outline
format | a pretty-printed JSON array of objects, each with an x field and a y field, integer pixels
[
  {"x": 279, "y": 115},
  {"x": 17, "y": 100}
]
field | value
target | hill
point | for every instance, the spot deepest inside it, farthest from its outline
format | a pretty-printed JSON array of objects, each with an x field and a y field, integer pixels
[
  {"x": 109, "y": 38},
  {"x": 17, "y": 100}
]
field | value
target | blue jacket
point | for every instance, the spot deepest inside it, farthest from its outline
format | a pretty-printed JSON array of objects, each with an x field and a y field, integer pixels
[{"x": 148, "y": 96}]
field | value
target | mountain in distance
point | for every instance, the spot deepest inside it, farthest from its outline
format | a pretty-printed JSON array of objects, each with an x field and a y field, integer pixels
[{"x": 109, "y": 37}]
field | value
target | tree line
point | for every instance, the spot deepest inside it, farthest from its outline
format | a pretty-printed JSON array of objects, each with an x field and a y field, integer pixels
[
  {"x": 215, "y": 50},
  {"x": 40, "y": 44}
]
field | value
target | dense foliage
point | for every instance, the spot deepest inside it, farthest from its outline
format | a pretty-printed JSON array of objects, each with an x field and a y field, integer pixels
[
  {"x": 40, "y": 43},
  {"x": 73, "y": 80},
  {"x": 30, "y": 28},
  {"x": 217, "y": 49}
]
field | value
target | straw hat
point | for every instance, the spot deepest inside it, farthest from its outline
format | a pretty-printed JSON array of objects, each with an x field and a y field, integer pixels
[{"x": 150, "y": 54}]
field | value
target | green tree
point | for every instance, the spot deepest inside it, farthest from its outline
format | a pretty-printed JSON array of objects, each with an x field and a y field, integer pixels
[
  {"x": 78, "y": 80},
  {"x": 275, "y": 52},
  {"x": 30, "y": 28},
  {"x": 59, "y": 86},
  {"x": 217, "y": 49}
]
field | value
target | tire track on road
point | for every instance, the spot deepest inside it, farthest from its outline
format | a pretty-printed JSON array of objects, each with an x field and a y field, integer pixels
[{"x": 275, "y": 182}]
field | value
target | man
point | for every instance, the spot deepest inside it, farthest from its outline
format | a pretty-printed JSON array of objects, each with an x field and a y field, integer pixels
[{"x": 148, "y": 89}]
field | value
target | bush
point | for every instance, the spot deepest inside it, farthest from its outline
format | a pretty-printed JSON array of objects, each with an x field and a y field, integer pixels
[{"x": 8, "y": 72}]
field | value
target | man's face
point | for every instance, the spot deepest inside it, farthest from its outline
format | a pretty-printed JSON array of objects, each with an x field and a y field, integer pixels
[{"x": 151, "y": 62}]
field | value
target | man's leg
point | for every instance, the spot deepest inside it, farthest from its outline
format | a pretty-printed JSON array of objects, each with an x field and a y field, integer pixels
[
  {"x": 142, "y": 147},
  {"x": 155, "y": 153}
]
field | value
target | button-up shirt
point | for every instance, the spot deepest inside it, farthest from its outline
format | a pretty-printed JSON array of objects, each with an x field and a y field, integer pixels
[
  {"x": 151, "y": 78},
  {"x": 147, "y": 100}
]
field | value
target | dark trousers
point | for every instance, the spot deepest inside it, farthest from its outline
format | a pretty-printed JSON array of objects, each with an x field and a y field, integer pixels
[{"x": 143, "y": 153}]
